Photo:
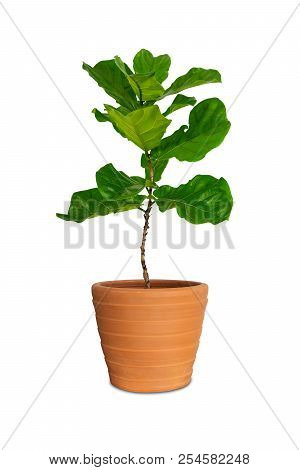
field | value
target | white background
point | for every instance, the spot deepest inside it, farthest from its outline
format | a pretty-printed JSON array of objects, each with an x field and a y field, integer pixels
[{"x": 254, "y": 288}]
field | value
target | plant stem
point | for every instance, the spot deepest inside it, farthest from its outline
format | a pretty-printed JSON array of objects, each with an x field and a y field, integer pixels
[{"x": 146, "y": 225}]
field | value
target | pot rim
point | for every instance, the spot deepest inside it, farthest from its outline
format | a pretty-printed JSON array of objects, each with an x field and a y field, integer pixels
[{"x": 139, "y": 285}]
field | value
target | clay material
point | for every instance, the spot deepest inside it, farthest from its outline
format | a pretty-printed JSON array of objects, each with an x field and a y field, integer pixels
[{"x": 150, "y": 337}]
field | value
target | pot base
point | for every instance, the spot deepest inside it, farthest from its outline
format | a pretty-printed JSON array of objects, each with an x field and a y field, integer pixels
[{"x": 144, "y": 387}]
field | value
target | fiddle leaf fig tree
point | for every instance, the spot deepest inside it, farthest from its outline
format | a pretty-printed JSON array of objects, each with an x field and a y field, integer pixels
[{"x": 141, "y": 117}]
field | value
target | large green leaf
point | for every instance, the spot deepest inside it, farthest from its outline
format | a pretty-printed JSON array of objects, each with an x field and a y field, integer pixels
[
  {"x": 194, "y": 77},
  {"x": 116, "y": 192},
  {"x": 145, "y": 127},
  {"x": 116, "y": 185},
  {"x": 145, "y": 62},
  {"x": 180, "y": 101},
  {"x": 108, "y": 76},
  {"x": 203, "y": 199},
  {"x": 87, "y": 204},
  {"x": 145, "y": 86},
  {"x": 208, "y": 126}
]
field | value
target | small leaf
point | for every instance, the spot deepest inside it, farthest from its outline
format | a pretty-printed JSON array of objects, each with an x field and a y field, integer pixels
[
  {"x": 144, "y": 127},
  {"x": 122, "y": 66},
  {"x": 87, "y": 204},
  {"x": 115, "y": 185},
  {"x": 145, "y": 62},
  {"x": 158, "y": 167},
  {"x": 149, "y": 89},
  {"x": 104, "y": 117},
  {"x": 113, "y": 81},
  {"x": 180, "y": 101},
  {"x": 203, "y": 199},
  {"x": 145, "y": 86},
  {"x": 194, "y": 77},
  {"x": 101, "y": 117}
]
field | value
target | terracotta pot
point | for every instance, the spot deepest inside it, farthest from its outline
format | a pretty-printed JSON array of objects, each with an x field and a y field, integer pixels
[{"x": 150, "y": 336}]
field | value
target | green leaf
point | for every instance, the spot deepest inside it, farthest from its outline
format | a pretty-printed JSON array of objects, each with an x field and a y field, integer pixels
[
  {"x": 149, "y": 89},
  {"x": 104, "y": 117},
  {"x": 123, "y": 110},
  {"x": 145, "y": 86},
  {"x": 116, "y": 192},
  {"x": 194, "y": 77},
  {"x": 122, "y": 66},
  {"x": 101, "y": 117},
  {"x": 87, "y": 204},
  {"x": 115, "y": 185},
  {"x": 127, "y": 73},
  {"x": 208, "y": 126},
  {"x": 144, "y": 127},
  {"x": 113, "y": 81},
  {"x": 145, "y": 62},
  {"x": 203, "y": 199},
  {"x": 180, "y": 101}
]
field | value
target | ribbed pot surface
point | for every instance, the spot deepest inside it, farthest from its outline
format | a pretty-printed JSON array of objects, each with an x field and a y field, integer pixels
[{"x": 150, "y": 337}]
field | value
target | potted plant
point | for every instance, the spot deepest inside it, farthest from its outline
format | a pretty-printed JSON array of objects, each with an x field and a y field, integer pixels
[{"x": 150, "y": 329}]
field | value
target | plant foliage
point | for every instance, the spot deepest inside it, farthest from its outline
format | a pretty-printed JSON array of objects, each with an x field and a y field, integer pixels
[{"x": 137, "y": 117}]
